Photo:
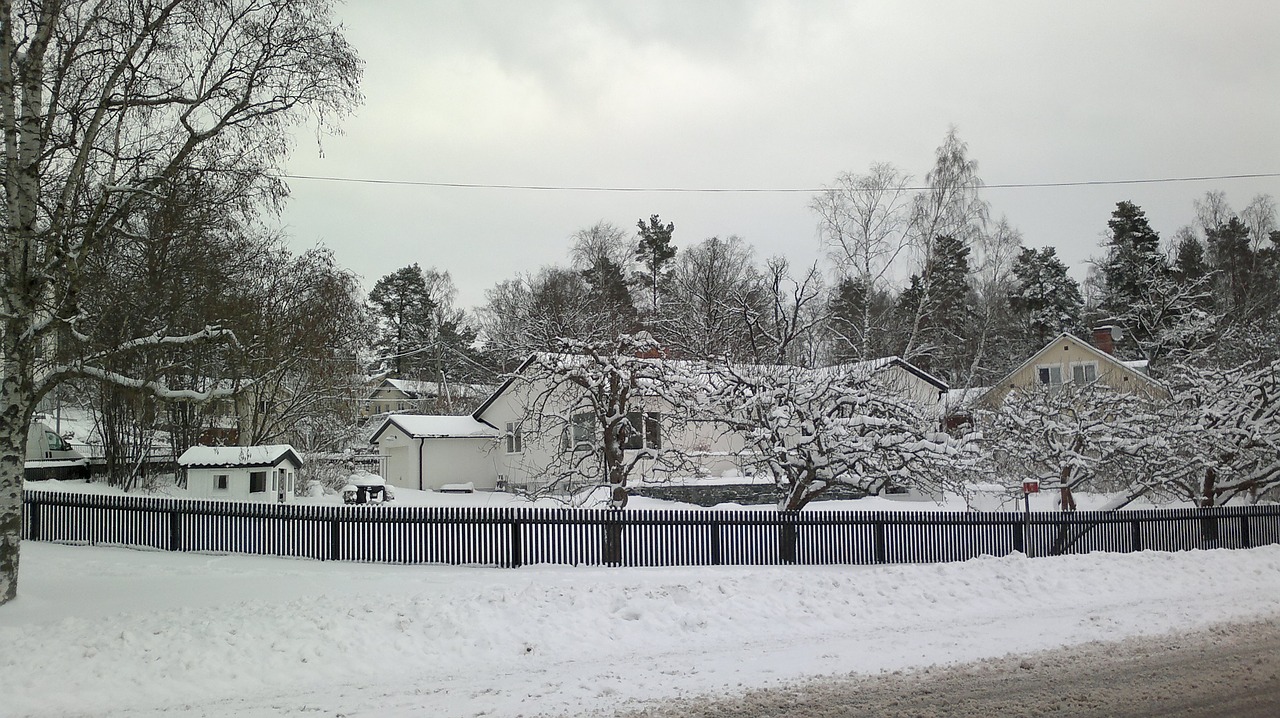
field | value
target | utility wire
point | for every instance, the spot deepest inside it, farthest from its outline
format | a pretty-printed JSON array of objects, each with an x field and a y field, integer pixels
[{"x": 775, "y": 190}]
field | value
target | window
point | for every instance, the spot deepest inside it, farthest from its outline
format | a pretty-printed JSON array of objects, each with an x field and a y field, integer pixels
[
  {"x": 1050, "y": 375},
  {"x": 55, "y": 442},
  {"x": 581, "y": 435},
  {"x": 653, "y": 430},
  {"x": 514, "y": 438},
  {"x": 644, "y": 432},
  {"x": 632, "y": 436},
  {"x": 257, "y": 482},
  {"x": 220, "y": 482},
  {"x": 1084, "y": 373}
]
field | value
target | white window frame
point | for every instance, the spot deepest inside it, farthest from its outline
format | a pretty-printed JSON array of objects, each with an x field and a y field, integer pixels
[
  {"x": 1083, "y": 366},
  {"x": 1050, "y": 368},
  {"x": 513, "y": 438},
  {"x": 224, "y": 479},
  {"x": 648, "y": 420}
]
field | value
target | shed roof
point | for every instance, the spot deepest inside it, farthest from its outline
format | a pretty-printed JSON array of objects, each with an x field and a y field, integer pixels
[{"x": 266, "y": 455}]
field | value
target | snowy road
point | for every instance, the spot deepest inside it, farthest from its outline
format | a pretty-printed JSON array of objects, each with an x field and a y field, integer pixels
[
  {"x": 113, "y": 632},
  {"x": 1231, "y": 670}
]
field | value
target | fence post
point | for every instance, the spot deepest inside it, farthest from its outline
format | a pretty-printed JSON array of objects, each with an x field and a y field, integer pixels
[
  {"x": 335, "y": 540},
  {"x": 613, "y": 540},
  {"x": 715, "y": 543},
  {"x": 1135, "y": 531},
  {"x": 881, "y": 553},
  {"x": 1244, "y": 531},
  {"x": 516, "y": 549},
  {"x": 34, "y": 509},
  {"x": 787, "y": 540},
  {"x": 175, "y": 531},
  {"x": 1019, "y": 537}
]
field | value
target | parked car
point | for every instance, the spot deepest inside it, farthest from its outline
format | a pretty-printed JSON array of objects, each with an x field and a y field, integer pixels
[{"x": 49, "y": 456}]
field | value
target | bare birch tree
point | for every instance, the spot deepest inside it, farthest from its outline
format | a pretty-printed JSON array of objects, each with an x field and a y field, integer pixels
[
  {"x": 863, "y": 223},
  {"x": 105, "y": 104},
  {"x": 949, "y": 206}
]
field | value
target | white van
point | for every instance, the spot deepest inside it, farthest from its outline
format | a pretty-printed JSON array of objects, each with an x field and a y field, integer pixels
[{"x": 49, "y": 456}]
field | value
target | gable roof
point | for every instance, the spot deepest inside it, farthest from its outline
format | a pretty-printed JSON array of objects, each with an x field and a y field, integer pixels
[
  {"x": 242, "y": 456},
  {"x": 872, "y": 366},
  {"x": 1129, "y": 368},
  {"x": 869, "y": 366},
  {"x": 424, "y": 426}
]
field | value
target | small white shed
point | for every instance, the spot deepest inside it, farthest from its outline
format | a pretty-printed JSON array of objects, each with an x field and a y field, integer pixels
[{"x": 241, "y": 472}]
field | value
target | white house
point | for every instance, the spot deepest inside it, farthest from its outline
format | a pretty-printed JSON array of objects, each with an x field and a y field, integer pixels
[
  {"x": 421, "y": 397},
  {"x": 241, "y": 472},
  {"x": 493, "y": 447},
  {"x": 431, "y": 452}
]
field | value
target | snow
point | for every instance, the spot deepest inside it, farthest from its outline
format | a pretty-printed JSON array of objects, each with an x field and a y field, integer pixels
[
  {"x": 423, "y": 425},
  {"x": 265, "y": 455},
  {"x": 113, "y": 632},
  {"x": 983, "y": 497}
]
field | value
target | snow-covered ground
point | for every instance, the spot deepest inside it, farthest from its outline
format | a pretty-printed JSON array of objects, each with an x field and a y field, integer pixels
[{"x": 110, "y": 631}]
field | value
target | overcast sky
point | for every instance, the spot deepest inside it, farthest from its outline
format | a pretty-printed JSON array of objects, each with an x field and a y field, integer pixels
[{"x": 764, "y": 94}]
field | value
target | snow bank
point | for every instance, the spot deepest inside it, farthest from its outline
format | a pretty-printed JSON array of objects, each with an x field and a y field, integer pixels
[{"x": 113, "y": 632}]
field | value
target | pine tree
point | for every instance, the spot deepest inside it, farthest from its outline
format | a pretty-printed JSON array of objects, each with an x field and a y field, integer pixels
[
  {"x": 654, "y": 252},
  {"x": 1134, "y": 260},
  {"x": 859, "y": 314},
  {"x": 404, "y": 309},
  {"x": 611, "y": 297},
  {"x": 1189, "y": 265},
  {"x": 940, "y": 298},
  {"x": 1045, "y": 299},
  {"x": 1233, "y": 261}
]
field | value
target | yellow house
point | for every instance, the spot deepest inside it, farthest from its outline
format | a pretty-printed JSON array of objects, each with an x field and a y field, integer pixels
[{"x": 1070, "y": 360}]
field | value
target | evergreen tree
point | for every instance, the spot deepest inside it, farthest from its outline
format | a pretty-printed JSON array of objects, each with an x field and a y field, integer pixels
[
  {"x": 1045, "y": 299},
  {"x": 1189, "y": 265},
  {"x": 859, "y": 314},
  {"x": 611, "y": 297},
  {"x": 1134, "y": 260},
  {"x": 939, "y": 298},
  {"x": 403, "y": 307},
  {"x": 654, "y": 252},
  {"x": 1233, "y": 262}
]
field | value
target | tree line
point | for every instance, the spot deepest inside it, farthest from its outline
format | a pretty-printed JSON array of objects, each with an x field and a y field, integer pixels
[{"x": 925, "y": 274}]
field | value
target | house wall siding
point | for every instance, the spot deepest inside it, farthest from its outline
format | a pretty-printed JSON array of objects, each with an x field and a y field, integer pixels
[
  {"x": 453, "y": 460},
  {"x": 200, "y": 482},
  {"x": 1066, "y": 352}
]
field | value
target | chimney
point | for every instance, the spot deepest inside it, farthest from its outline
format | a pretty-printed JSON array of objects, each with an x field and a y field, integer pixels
[{"x": 1103, "y": 338}]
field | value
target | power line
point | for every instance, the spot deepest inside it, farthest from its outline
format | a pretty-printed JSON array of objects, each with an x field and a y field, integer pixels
[{"x": 761, "y": 190}]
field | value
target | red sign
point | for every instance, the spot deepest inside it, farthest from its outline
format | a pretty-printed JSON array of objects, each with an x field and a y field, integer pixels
[{"x": 1031, "y": 486}]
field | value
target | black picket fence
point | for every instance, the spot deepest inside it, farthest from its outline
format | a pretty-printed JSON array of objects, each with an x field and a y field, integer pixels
[{"x": 521, "y": 536}]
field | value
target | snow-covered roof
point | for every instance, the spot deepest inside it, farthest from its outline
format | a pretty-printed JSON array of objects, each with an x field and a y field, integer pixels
[
  {"x": 964, "y": 398},
  {"x": 266, "y": 455},
  {"x": 424, "y": 426},
  {"x": 1138, "y": 365},
  {"x": 866, "y": 367}
]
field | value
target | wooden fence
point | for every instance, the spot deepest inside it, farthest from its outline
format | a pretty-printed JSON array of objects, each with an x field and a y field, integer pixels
[{"x": 521, "y": 536}]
